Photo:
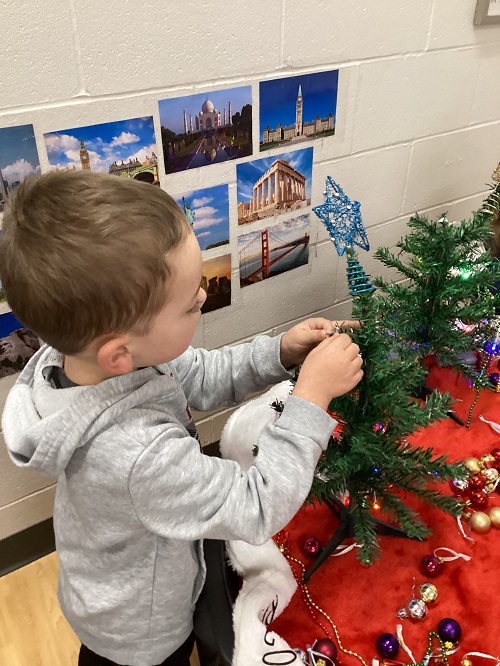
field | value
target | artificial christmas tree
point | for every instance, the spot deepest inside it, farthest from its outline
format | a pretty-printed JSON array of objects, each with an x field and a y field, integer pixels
[
  {"x": 490, "y": 212},
  {"x": 369, "y": 465},
  {"x": 446, "y": 307}
]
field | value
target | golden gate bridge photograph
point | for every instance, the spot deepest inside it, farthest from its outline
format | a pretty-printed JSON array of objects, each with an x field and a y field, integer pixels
[{"x": 273, "y": 250}]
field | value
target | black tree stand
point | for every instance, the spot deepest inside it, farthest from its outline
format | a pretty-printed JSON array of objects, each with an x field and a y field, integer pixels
[{"x": 346, "y": 530}]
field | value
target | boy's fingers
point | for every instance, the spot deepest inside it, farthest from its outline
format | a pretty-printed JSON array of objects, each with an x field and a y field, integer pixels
[
  {"x": 339, "y": 340},
  {"x": 319, "y": 324}
]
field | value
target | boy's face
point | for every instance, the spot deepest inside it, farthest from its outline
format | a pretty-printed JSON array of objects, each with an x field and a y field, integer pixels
[{"x": 173, "y": 328}]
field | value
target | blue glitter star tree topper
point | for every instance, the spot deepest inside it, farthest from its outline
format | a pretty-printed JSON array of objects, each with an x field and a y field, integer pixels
[{"x": 342, "y": 218}]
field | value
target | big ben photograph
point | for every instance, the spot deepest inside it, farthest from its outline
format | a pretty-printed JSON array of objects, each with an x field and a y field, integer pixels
[{"x": 125, "y": 148}]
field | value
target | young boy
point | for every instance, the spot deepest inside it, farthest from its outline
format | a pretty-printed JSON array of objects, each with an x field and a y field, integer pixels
[{"x": 107, "y": 272}]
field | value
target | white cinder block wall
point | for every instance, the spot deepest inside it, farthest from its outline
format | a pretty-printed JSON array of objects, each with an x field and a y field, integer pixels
[{"x": 418, "y": 124}]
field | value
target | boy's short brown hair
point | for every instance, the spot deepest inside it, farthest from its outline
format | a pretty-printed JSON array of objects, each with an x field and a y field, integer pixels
[{"x": 83, "y": 254}]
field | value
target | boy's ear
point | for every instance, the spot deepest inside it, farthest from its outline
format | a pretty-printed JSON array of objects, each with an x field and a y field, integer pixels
[{"x": 114, "y": 356}]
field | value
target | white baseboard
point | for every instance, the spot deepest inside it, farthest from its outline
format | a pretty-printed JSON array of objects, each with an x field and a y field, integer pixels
[{"x": 26, "y": 512}]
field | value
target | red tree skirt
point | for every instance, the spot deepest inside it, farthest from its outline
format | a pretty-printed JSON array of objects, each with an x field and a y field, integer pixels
[{"x": 363, "y": 601}]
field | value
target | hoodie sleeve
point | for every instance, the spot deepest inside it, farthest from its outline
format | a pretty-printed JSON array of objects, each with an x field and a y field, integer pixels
[
  {"x": 223, "y": 377},
  {"x": 180, "y": 493}
]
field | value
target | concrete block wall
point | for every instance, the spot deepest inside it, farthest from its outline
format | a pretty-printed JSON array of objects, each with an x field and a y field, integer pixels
[{"x": 418, "y": 124}]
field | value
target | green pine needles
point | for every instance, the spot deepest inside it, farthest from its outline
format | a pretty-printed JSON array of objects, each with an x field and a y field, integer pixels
[
  {"x": 445, "y": 306},
  {"x": 490, "y": 210},
  {"x": 371, "y": 460}
]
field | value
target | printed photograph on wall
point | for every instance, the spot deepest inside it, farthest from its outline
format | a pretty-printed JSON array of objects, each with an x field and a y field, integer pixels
[
  {"x": 216, "y": 281},
  {"x": 206, "y": 128},
  {"x": 123, "y": 148},
  {"x": 207, "y": 211},
  {"x": 494, "y": 8},
  {"x": 487, "y": 12},
  {"x": 276, "y": 249},
  {"x": 18, "y": 158},
  {"x": 17, "y": 343},
  {"x": 297, "y": 108},
  {"x": 273, "y": 185}
]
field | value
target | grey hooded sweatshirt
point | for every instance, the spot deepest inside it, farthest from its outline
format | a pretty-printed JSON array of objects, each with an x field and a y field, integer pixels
[{"x": 135, "y": 495}]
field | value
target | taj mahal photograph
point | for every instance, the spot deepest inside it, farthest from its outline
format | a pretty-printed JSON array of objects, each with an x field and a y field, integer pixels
[
  {"x": 297, "y": 108},
  {"x": 206, "y": 128}
]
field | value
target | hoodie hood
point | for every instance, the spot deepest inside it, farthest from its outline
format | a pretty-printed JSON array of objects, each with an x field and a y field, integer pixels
[{"x": 43, "y": 425}]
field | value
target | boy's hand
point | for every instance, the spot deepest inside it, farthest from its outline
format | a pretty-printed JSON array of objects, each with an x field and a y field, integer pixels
[
  {"x": 302, "y": 338},
  {"x": 331, "y": 369}
]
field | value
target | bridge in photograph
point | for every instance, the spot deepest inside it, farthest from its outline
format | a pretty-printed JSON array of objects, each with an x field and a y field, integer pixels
[{"x": 283, "y": 248}]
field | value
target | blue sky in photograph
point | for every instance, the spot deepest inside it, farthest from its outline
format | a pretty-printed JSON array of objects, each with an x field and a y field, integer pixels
[
  {"x": 172, "y": 110},
  {"x": 248, "y": 173},
  {"x": 279, "y": 96},
  {"x": 105, "y": 142},
  {"x": 211, "y": 213},
  {"x": 18, "y": 153}
]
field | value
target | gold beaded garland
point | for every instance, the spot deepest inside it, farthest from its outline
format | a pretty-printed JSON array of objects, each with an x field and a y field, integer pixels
[
  {"x": 480, "y": 522},
  {"x": 282, "y": 542}
]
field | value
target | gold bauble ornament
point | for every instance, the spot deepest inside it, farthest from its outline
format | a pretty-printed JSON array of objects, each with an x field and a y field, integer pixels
[
  {"x": 428, "y": 592},
  {"x": 466, "y": 662},
  {"x": 472, "y": 465},
  {"x": 495, "y": 516},
  {"x": 480, "y": 522}
]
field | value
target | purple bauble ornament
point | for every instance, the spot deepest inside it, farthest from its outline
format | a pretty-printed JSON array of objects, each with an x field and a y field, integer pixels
[
  {"x": 326, "y": 647},
  {"x": 312, "y": 546},
  {"x": 387, "y": 646},
  {"x": 449, "y": 630},
  {"x": 430, "y": 565},
  {"x": 494, "y": 378}
]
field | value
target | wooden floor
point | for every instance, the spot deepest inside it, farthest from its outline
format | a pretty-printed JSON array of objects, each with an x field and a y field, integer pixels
[{"x": 33, "y": 631}]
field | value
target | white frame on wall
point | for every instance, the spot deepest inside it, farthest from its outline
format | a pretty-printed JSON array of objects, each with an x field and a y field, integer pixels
[{"x": 481, "y": 16}]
